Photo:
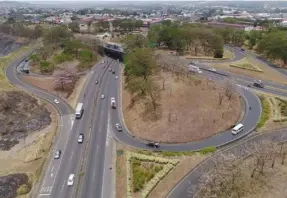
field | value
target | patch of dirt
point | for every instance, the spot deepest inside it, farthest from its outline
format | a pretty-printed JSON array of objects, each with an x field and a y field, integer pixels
[
  {"x": 20, "y": 114},
  {"x": 9, "y": 44},
  {"x": 190, "y": 111},
  {"x": 10, "y": 183}
]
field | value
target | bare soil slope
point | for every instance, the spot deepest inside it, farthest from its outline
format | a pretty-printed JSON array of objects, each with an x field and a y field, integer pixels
[
  {"x": 20, "y": 114},
  {"x": 190, "y": 111}
]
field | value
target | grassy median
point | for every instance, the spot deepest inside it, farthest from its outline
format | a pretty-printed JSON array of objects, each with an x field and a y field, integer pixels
[{"x": 265, "y": 112}]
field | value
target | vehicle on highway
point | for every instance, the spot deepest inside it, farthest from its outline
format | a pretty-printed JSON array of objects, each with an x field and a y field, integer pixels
[
  {"x": 56, "y": 101},
  {"x": 81, "y": 138},
  {"x": 242, "y": 49},
  {"x": 117, "y": 77},
  {"x": 110, "y": 69},
  {"x": 258, "y": 83},
  {"x": 119, "y": 127},
  {"x": 25, "y": 70},
  {"x": 102, "y": 96},
  {"x": 103, "y": 62},
  {"x": 212, "y": 69},
  {"x": 153, "y": 144},
  {"x": 97, "y": 82},
  {"x": 79, "y": 110},
  {"x": 26, "y": 60},
  {"x": 237, "y": 129},
  {"x": 57, "y": 154},
  {"x": 113, "y": 71},
  {"x": 71, "y": 180},
  {"x": 113, "y": 102}
]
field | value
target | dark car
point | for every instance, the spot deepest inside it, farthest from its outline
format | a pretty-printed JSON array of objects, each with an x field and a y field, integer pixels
[
  {"x": 57, "y": 154},
  {"x": 242, "y": 49},
  {"x": 97, "y": 82},
  {"x": 119, "y": 127},
  {"x": 113, "y": 71},
  {"x": 153, "y": 144}
]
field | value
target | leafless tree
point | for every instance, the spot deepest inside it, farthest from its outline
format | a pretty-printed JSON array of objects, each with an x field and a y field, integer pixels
[
  {"x": 229, "y": 90},
  {"x": 65, "y": 80},
  {"x": 221, "y": 95}
]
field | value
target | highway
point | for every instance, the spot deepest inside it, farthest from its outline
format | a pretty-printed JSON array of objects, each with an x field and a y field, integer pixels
[{"x": 91, "y": 161}]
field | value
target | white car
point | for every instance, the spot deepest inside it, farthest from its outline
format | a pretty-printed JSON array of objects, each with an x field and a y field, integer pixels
[
  {"x": 103, "y": 62},
  {"x": 81, "y": 138},
  {"x": 102, "y": 96},
  {"x": 56, "y": 101},
  {"x": 117, "y": 77},
  {"x": 199, "y": 71},
  {"x": 212, "y": 69},
  {"x": 71, "y": 180}
]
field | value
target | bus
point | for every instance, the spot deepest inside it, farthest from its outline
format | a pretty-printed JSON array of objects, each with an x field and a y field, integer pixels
[{"x": 79, "y": 110}]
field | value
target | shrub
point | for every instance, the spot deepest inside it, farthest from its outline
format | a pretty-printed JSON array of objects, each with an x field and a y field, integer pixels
[
  {"x": 46, "y": 67},
  {"x": 172, "y": 154},
  {"x": 207, "y": 150},
  {"x": 265, "y": 112},
  {"x": 61, "y": 58},
  {"x": 86, "y": 56},
  {"x": 24, "y": 189}
]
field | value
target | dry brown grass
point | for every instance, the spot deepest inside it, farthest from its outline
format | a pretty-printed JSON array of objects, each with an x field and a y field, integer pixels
[
  {"x": 166, "y": 184},
  {"x": 267, "y": 73},
  {"x": 46, "y": 83},
  {"x": 190, "y": 111}
]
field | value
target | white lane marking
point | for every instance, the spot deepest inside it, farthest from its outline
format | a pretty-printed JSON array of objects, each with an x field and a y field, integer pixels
[
  {"x": 52, "y": 168},
  {"x": 94, "y": 174},
  {"x": 72, "y": 156},
  {"x": 43, "y": 195}
]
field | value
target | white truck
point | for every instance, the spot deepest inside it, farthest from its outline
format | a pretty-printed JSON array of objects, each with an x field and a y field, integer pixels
[
  {"x": 113, "y": 103},
  {"x": 79, "y": 110}
]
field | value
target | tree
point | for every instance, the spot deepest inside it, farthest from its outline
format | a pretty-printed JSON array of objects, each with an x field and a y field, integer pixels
[
  {"x": 133, "y": 41},
  {"x": 74, "y": 26},
  {"x": 57, "y": 35}
]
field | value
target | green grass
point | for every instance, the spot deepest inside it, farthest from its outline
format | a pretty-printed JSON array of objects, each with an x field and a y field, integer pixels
[
  {"x": 207, "y": 150},
  {"x": 24, "y": 189},
  {"x": 46, "y": 67},
  {"x": 143, "y": 172},
  {"x": 265, "y": 112},
  {"x": 61, "y": 58},
  {"x": 247, "y": 66},
  {"x": 173, "y": 154}
]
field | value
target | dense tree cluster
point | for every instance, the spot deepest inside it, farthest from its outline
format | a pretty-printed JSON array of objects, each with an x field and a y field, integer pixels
[
  {"x": 187, "y": 38},
  {"x": 19, "y": 29}
]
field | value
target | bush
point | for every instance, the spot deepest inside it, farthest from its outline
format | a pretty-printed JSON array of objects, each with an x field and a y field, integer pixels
[
  {"x": 24, "y": 189},
  {"x": 46, "y": 67},
  {"x": 61, "y": 58},
  {"x": 172, "y": 154},
  {"x": 86, "y": 56},
  {"x": 207, "y": 150},
  {"x": 283, "y": 106},
  {"x": 265, "y": 112}
]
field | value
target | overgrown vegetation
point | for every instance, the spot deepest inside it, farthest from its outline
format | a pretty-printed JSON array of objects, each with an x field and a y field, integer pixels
[
  {"x": 59, "y": 38},
  {"x": 207, "y": 150},
  {"x": 283, "y": 106},
  {"x": 265, "y": 112},
  {"x": 143, "y": 173}
]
